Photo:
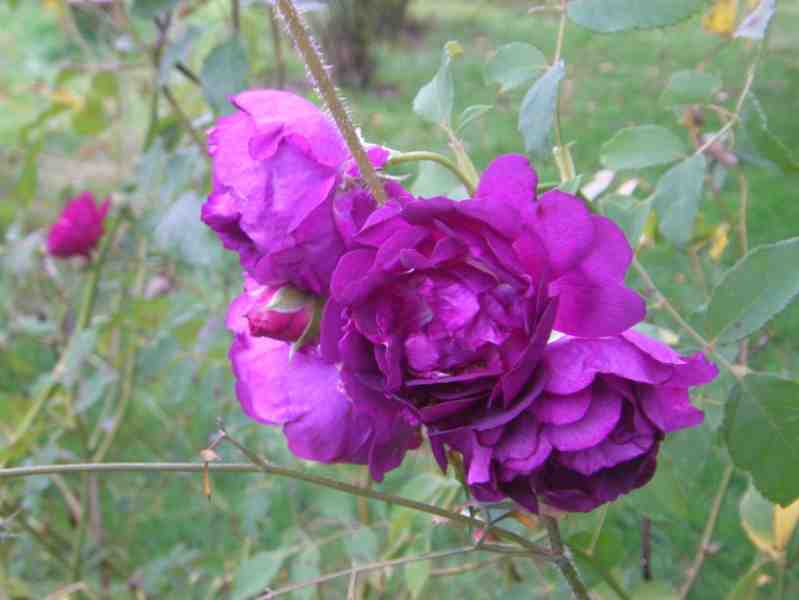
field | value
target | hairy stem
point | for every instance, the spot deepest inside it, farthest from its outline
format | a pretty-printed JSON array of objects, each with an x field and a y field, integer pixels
[
  {"x": 562, "y": 561},
  {"x": 710, "y": 526},
  {"x": 423, "y": 155},
  {"x": 327, "y": 90}
]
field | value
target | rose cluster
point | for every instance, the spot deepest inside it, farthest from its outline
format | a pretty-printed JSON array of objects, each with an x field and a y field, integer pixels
[{"x": 435, "y": 316}]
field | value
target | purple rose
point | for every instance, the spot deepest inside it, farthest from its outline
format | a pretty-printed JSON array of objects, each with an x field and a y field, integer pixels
[
  {"x": 593, "y": 433},
  {"x": 79, "y": 227},
  {"x": 284, "y": 189},
  {"x": 449, "y": 305},
  {"x": 326, "y": 415}
]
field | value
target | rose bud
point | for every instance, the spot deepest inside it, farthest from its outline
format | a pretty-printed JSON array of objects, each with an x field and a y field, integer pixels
[
  {"x": 280, "y": 313},
  {"x": 79, "y": 227}
]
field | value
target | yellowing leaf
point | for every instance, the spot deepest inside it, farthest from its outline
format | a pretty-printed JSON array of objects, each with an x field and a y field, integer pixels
[
  {"x": 785, "y": 520},
  {"x": 719, "y": 241},
  {"x": 721, "y": 17}
]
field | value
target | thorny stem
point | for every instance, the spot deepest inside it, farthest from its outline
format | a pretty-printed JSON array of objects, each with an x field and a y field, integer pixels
[
  {"x": 235, "y": 15},
  {"x": 562, "y": 561},
  {"x": 710, "y": 526},
  {"x": 735, "y": 370},
  {"x": 561, "y": 151},
  {"x": 259, "y": 465},
  {"x": 84, "y": 317},
  {"x": 382, "y": 497},
  {"x": 313, "y": 60},
  {"x": 354, "y": 571},
  {"x": 423, "y": 155}
]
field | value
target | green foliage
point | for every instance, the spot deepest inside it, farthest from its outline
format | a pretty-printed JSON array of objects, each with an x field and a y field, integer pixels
[
  {"x": 691, "y": 87},
  {"x": 225, "y": 73},
  {"x": 641, "y": 146},
  {"x": 677, "y": 197},
  {"x": 256, "y": 573},
  {"x": 436, "y": 99},
  {"x": 537, "y": 112},
  {"x": 761, "y": 429},
  {"x": 754, "y": 291},
  {"x": 147, "y": 9},
  {"x": 514, "y": 65},
  {"x": 607, "y": 16}
]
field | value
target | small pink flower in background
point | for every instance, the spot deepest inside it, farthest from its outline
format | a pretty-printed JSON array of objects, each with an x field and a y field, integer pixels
[{"x": 79, "y": 227}]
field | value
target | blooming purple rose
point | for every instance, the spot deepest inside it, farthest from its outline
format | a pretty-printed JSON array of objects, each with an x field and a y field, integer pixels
[
  {"x": 450, "y": 304},
  {"x": 326, "y": 415},
  {"x": 79, "y": 227},
  {"x": 285, "y": 195},
  {"x": 593, "y": 432}
]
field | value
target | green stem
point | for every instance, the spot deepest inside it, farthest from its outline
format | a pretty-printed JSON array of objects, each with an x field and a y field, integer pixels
[
  {"x": 562, "y": 561},
  {"x": 259, "y": 465},
  {"x": 84, "y": 317},
  {"x": 710, "y": 526},
  {"x": 382, "y": 497},
  {"x": 603, "y": 572},
  {"x": 185, "y": 122},
  {"x": 423, "y": 155},
  {"x": 327, "y": 90},
  {"x": 77, "y": 544}
]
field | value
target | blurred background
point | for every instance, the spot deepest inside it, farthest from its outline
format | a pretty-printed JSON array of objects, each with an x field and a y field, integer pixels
[{"x": 80, "y": 109}]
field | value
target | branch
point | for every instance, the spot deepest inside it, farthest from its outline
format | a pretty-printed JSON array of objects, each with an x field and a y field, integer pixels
[
  {"x": 185, "y": 121},
  {"x": 562, "y": 561},
  {"x": 327, "y": 90},
  {"x": 354, "y": 571},
  {"x": 710, "y": 525}
]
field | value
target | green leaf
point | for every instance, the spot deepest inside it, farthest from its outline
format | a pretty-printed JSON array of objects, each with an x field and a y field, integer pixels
[
  {"x": 690, "y": 87},
  {"x": 179, "y": 231},
  {"x": 224, "y": 73},
  {"x": 640, "y": 147},
  {"x": 147, "y": 9},
  {"x": 606, "y": 16},
  {"x": 753, "y": 291},
  {"x": 757, "y": 519},
  {"x": 761, "y": 428},
  {"x": 91, "y": 119},
  {"x": 436, "y": 99},
  {"x": 748, "y": 586},
  {"x": 653, "y": 590},
  {"x": 765, "y": 142},
  {"x": 304, "y": 568},
  {"x": 677, "y": 197},
  {"x": 627, "y": 212},
  {"x": 472, "y": 114},
  {"x": 78, "y": 351},
  {"x": 256, "y": 573},
  {"x": 514, "y": 65},
  {"x": 537, "y": 112},
  {"x": 28, "y": 182},
  {"x": 104, "y": 84},
  {"x": 177, "y": 51},
  {"x": 417, "y": 573}
]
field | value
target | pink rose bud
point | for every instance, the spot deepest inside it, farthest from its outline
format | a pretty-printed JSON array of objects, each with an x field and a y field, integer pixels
[
  {"x": 78, "y": 228},
  {"x": 281, "y": 313}
]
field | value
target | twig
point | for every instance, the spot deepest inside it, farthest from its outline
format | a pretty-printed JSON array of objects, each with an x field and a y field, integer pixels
[
  {"x": 188, "y": 74},
  {"x": 467, "y": 568},
  {"x": 736, "y": 371},
  {"x": 646, "y": 548},
  {"x": 561, "y": 32},
  {"x": 147, "y": 467},
  {"x": 710, "y": 526},
  {"x": 383, "y": 497},
  {"x": 185, "y": 121},
  {"x": 235, "y": 14},
  {"x": 743, "y": 209},
  {"x": 327, "y": 90},
  {"x": 562, "y": 561},
  {"x": 603, "y": 572},
  {"x": 84, "y": 316},
  {"x": 383, "y": 564},
  {"x": 423, "y": 155}
]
